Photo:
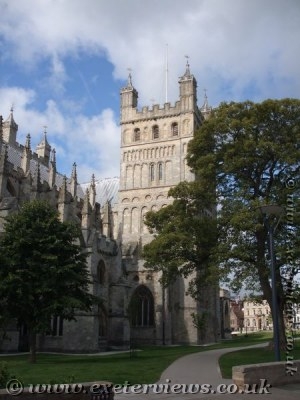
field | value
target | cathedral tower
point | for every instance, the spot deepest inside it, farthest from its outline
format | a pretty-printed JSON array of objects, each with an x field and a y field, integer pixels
[
  {"x": 153, "y": 159},
  {"x": 153, "y": 151}
]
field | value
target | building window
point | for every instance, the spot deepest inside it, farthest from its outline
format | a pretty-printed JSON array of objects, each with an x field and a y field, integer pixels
[
  {"x": 151, "y": 172},
  {"x": 101, "y": 273},
  {"x": 155, "y": 132},
  {"x": 137, "y": 135},
  {"x": 142, "y": 308},
  {"x": 160, "y": 171},
  {"x": 56, "y": 326},
  {"x": 174, "y": 129}
]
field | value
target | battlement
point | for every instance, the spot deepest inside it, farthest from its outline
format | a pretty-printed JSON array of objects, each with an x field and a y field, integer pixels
[{"x": 187, "y": 102}]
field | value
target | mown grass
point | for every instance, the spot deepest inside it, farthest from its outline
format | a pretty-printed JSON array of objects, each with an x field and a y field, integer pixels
[
  {"x": 252, "y": 356},
  {"x": 145, "y": 367}
]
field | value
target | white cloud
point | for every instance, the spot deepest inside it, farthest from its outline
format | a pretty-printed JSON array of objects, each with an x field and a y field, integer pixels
[
  {"x": 237, "y": 41},
  {"x": 93, "y": 143},
  {"x": 237, "y": 48}
]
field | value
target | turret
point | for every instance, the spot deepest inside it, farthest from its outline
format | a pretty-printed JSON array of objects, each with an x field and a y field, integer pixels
[
  {"x": 73, "y": 184},
  {"x": 52, "y": 169},
  {"x": 129, "y": 100},
  {"x": 26, "y": 156},
  {"x": 106, "y": 220},
  {"x": 64, "y": 200},
  {"x": 206, "y": 109},
  {"x": 10, "y": 128},
  {"x": 92, "y": 191},
  {"x": 188, "y": 90},
  {"x": 43, "y": 149},
  {"x": 86, "y": 211}
]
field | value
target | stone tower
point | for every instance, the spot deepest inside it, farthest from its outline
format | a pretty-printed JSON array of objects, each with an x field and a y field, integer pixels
[
  {"x": 153, "y": 150},
  {"x": 153, "y": 159}
]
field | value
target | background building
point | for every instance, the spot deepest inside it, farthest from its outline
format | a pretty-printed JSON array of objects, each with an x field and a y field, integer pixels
[{"x": 257, "y": 316}]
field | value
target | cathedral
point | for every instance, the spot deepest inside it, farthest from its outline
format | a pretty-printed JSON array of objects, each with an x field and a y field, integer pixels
[{"x": 134, "y": 309}]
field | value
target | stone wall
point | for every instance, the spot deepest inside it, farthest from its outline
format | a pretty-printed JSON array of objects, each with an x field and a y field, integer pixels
[{"x": 276, "y": 373}]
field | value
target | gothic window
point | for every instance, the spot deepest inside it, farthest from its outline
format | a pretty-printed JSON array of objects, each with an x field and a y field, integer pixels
[
  {"x": 151, "y": 172},
  {"x": 56, "y": 326},
  {"x": 137, "y": 135},
  {"x": 101, "y": 272},
  {"x": 160, "y": 171},
  {"x": 174, "y": 129},
  {"x": 155, "y": 132},
  {"x": 142, "y": 308}
]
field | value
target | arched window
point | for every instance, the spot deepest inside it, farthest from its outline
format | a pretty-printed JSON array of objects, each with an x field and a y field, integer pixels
[
  {"x": 155, "y": 132},
  {"x": 174, "y": 129},
  {"x": 160, "y": 171},
  {"x": 101, "y": 272},
  {"x": 142, "y": 308},
  {"x": 137, "y": 134},
  {"x": 151, "y": 172}
]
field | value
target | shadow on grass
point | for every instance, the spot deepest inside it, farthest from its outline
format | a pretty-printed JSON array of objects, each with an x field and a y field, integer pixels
[{"x": 146, "y": 367}]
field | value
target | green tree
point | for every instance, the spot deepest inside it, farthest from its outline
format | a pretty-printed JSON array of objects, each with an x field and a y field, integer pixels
[
  {"x": 184, "y": 236},
  {"x": 43, "y": 269},
  {"x": 244, "y": 156}
]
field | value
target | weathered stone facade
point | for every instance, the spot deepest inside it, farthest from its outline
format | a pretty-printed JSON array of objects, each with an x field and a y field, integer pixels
[{"x": 111, "y": 211}]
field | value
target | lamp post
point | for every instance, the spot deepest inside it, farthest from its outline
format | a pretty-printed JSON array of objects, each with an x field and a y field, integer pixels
[{"x": 268, "y": 211}]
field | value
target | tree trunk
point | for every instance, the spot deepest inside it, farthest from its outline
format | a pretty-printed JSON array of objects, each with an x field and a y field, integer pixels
[
  {"x": 32, "y": 341},
  {"x": 281, "y": 332}
]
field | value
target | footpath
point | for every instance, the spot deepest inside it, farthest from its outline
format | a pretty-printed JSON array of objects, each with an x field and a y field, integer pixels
[{"x": 203, "y": 368}]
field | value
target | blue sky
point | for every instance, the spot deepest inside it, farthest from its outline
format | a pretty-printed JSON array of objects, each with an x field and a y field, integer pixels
[{"x": 63, "y": 62}]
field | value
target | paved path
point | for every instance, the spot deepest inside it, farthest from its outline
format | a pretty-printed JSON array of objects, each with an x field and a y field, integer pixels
[{"x": 203, "y": 368}]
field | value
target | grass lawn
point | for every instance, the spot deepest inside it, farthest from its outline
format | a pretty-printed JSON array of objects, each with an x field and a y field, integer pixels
[
  {"x": 251, "y": 356},
  {"x": 145, "y": 367}
]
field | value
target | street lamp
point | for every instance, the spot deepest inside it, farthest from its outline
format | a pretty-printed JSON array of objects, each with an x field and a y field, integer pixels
[{"x": 268, "y": 211}]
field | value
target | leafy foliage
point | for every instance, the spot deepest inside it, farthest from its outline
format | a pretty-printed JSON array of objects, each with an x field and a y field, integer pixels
[
  {"x": 184, "y": 234},
  {"x": 43, "y": 268},
  {"x": 256, "y": 153},
  {"x": 244, "y": 156}
]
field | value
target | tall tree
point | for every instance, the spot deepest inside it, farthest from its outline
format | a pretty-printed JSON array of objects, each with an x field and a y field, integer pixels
[
  {"x": 184, "y": 236},
  {"x": 250, "y": 153},
  {"x": 43, "y": 269}
]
